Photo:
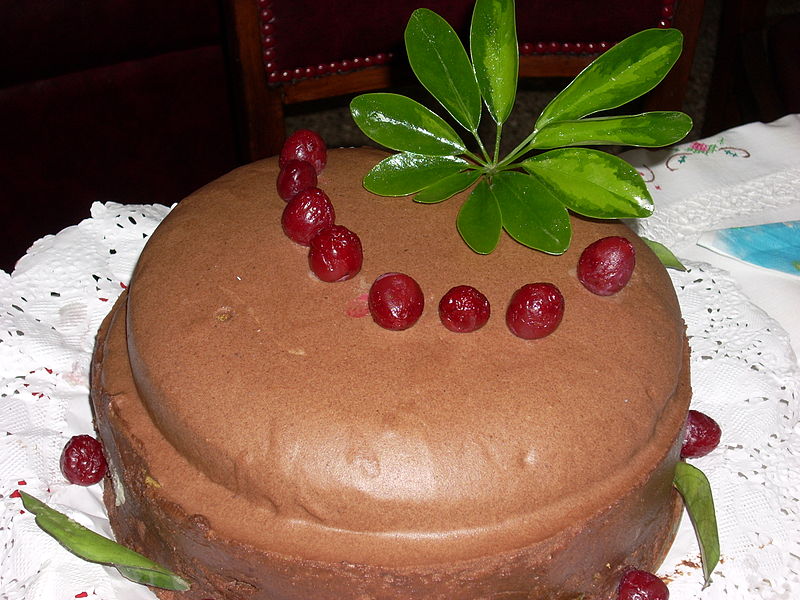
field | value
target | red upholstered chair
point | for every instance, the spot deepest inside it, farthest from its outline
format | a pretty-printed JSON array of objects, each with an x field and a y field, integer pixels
[{"x": 292, "y": 51}]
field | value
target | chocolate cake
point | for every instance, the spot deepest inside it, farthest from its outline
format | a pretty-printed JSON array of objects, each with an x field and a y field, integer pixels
[{"x": 267, "y": 440}]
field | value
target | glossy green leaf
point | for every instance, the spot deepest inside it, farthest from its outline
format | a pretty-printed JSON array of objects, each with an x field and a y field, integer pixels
[
  {"x": 406, "y": 173},
  {"x": 447, "y": 187},
  {"x": 665, "y": 255},
  {"x": 533, "y": 206},
  {"x": 441, "y": 64},
  {"x": 479, "y": 221},
  {"x": 93, "y": 547},
  {"x": 693, "y": 485},
  {"x": 621, "y": 74},
  {"x": 592, "y": 183},
  {"x": 648, "y": 130},
  {"x": 531, "y": 213},
  {"x": 495, "y": 55},
  {"x": 401, "y": 123}
]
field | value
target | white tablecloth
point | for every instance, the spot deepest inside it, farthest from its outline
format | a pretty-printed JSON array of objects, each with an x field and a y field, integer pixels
[
  {"x": 746, "y": 176},
  {"x": 744, "y": 372}
]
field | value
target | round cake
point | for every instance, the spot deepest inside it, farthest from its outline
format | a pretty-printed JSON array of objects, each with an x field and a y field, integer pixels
[{"x": 267, "y": 440}]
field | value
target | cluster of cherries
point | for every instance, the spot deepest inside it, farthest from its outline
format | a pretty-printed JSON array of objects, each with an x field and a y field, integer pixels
[
  {"x": 395, "y": 300},
  {"x": 309, "y": 219}
]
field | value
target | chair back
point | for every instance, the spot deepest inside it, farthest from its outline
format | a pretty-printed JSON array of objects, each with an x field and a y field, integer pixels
[{"x": 293, "y": 51}]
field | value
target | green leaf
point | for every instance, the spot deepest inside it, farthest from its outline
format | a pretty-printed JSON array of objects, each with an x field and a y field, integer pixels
[
  {"x": 592, "y": 183},
  {"x": 406, "y": 173},
  {"x": 532, "y": 214},
  {"x": 479, "y": 221},
  {"x": 495, "y": 55},
  {"x": 665, "y": 255},
  {"x": 693, "y": 485},
  {"x": 441, "y": 64},
  {"x": 93, "y": 547},
  {"x": 621, "y": 74},
  {"x": 447, "y": 187},
  {"x": 401, "y": 123},
  {"x": 533, "y": 206},
  {"x": 649, "y": 130}
]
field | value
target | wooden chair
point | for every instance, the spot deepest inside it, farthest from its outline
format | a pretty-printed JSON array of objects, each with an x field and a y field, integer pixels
[{"x": 292, "y": 51}]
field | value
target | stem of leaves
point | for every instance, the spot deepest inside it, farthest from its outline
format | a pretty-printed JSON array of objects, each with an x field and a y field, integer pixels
[
  {"x": 517, "y": 152},
  {"x": 484, "y": 152},
  {"x": 498, "y": 136},
  {"x": 474, "y": 157}
]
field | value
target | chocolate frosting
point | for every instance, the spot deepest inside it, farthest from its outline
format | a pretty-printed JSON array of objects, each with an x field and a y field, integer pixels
[
  {"x": 425, "y": 443},
  {"x": 235, "y": 390}
]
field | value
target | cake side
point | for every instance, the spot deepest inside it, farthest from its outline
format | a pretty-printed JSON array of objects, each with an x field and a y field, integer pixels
[{"x": 159, "y": 518}]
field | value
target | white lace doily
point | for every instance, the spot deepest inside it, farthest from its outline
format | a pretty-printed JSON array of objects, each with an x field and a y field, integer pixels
[{"x": 744, "y": 375}]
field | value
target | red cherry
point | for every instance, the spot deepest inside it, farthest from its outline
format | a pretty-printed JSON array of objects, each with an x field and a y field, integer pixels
[
  {"x": 641, "y": 585},
  {"x": 82, "y": 461},
  {"x": 535, "y": 310},
  {"x": 702, "y": 435},
  {"x": 294, "y": 177},
  {"x": 464, "y": 309},
  {"x": 306, "y": 214},
  {"x": 335, "y": 254},
  {"x": 606, "y": 266},
  {"x": 306, "y": 145},
  {"x": 395, "y": 301}
]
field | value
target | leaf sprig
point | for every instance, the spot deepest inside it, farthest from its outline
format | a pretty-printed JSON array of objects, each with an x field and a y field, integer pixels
[
  {"x": 526, "y": 195},
  {"x": 94, "y": 547},
  {"x": 693, "y": 486}
]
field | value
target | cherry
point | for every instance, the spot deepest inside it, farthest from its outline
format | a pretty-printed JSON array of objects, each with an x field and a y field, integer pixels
[
  {"x": 464, "y": 309},
  {"x": 306, "y": 145},
  {"x": 702, "y": 435},
  {"x": 82, "y": 461},
  {"x": 395, "y": 301},
  {"x": 606, "y": 266},
  {"x": 335, "y": 254},
  {"x": 306, "y": 214},
  {"x": 535, "y": 310},
  {"x": 641, "y": 585},
  {"x": 294, "y": 177}
]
